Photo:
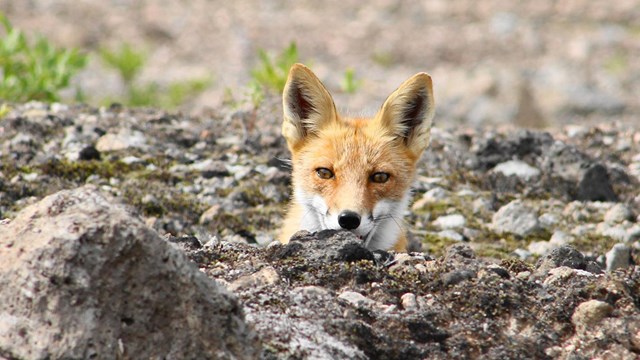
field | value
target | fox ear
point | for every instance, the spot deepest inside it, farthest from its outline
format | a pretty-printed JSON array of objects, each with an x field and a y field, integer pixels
[
  {"x": 408, "y": 112},
  {"x": 307, "y": 105}
]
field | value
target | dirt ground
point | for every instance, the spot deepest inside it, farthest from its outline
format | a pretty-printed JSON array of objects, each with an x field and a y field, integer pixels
[{"x": 529, "y": 63}]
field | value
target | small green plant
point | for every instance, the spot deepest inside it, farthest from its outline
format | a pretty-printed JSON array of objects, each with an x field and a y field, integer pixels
[
  {"x": 126, "y": 60},
  {"x": 349, "y": 82},
  {"x": 271, "y": 73},
  {"x": 34, "y": 71},
  {"x": 129, "y": 63}
]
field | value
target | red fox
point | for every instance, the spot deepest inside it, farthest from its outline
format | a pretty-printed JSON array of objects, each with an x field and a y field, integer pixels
[{"x": 354, "y": 173}]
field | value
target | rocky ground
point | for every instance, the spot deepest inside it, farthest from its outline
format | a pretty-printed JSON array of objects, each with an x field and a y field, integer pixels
[{"x": 525, "y": 241}]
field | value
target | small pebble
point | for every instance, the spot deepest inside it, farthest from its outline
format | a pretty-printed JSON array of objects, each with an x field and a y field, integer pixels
[
  {"x": 356, "y": 299},
  {"x": 409, "y": 301}
]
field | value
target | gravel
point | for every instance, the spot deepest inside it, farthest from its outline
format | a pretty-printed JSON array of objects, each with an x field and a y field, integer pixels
[{"x": 217, "y": 190}]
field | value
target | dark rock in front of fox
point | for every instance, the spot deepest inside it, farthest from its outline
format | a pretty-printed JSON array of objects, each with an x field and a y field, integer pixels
[{"x": 323, "y": 246}]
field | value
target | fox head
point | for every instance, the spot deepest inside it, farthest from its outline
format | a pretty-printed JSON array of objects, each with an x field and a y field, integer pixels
[{"x": 355, "y": 173}]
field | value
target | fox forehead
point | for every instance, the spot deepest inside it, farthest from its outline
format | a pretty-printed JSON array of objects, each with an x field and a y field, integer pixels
[{"x": 354, "y": 149}]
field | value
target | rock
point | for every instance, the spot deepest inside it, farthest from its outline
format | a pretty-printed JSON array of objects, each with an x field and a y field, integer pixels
[
  {"x": 123, "y": 139},
  {"x": 584, "y": 100},
  {"x": 86, "y": 278},
  {"x": 589, "y": 314},
  {"x": 619, "y": 257},
  {"x": 522, "y": 254},
  {"x": 616, "y": 232},
  {"x": 517, "y": 168},
  {"x": 89, "y": 153},
  {"x": 499, "y": 270},
  {"x": 434, "y": 195},
  {"x": 409, "y": 302},
  {"x": 356, "y": 299},
  {"x": 548, "y": 220},
  {"x": 618, "y": 213},
  {"x": 633, "y": 234},
  {"x": 515, "y": 218},
  {"x": 561, "y": 275},
  {"x": 451, "y": 235},
  {"x": 454, "y": 221},
  {"x": 459, "y": 252},
  {"x": 471, "y": 234},
  {"x": 565, "y": 256},
  {"x": 324, "y": 246},
  {"x": 481, "y": 205},
  {"x": 210, "y": 214},
  {"x": 519, "y": 144},
  {"x": 264, "y": 277},
  {"x": 456, "y": 276},
  {"x": 595, "y": 185},
  {"x": 560, "y": 238},
  {"x": 210, "y": 168},
  {"x": 576, "y": 211},
  {"x": 541, "y": 247}
]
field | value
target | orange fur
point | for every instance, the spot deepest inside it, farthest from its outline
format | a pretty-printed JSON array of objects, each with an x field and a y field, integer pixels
[{"x": 353, "y": 149}]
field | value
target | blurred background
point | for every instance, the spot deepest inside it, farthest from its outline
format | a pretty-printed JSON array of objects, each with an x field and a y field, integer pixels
[{"x": 528, "y": 63}]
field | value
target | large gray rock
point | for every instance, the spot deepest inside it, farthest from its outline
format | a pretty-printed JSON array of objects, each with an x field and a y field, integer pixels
[{"x": 81, "y": 277}]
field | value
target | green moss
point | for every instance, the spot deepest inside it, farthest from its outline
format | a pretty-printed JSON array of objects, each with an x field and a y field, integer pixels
[
  {"x": 79, "y": 171},
  {"x": 250, "y": 220},
  {"x": 435, "y": 209},
  {"x": 436, "y": 244},
  {"x": 502, "y": 246}
]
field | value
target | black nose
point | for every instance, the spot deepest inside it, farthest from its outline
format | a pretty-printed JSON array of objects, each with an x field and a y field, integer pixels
[{"x": 349, "y": 220}]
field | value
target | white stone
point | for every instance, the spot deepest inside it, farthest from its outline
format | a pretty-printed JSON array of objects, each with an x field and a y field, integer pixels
[
  {"x": 356, "y": 299},
  {"x": 518, "y": 168},
  {"x": 515, "y": 218},
  {"x": 409, "y": 302},
  {"x": 615, "y": 232},
  {"x": 264, "y": 277},
  {"x": 633, "y": 233},
  {"x": 548, "y": 220},
  {"x": 454, "y": 221},
  {"x": 451, "y": 235},
  {"x": 435, "y": 194},
  {"x": 541, "y": 247},
  {"x": 560, "y": 238},
  {"x": 124, "y": 139},
  {"x": 583, "y": 229},
  {"x": 522, "y": 253},
  {"x": 617, "y": 214},
  {"x": 30, "y": 177}
]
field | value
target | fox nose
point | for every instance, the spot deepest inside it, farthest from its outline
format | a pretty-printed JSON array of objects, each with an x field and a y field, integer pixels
[{"x": 349, "y": 220}]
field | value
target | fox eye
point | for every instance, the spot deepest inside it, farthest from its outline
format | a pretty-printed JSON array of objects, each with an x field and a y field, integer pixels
[
  {"x": 379, "y": 177},
  {"x": 324, "y": 173}
]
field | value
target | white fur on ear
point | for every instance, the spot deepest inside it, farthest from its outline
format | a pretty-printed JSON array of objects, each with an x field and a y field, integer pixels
[
  {"x": 408, "y": 112},
  {"x": 307, "y": 105}
]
